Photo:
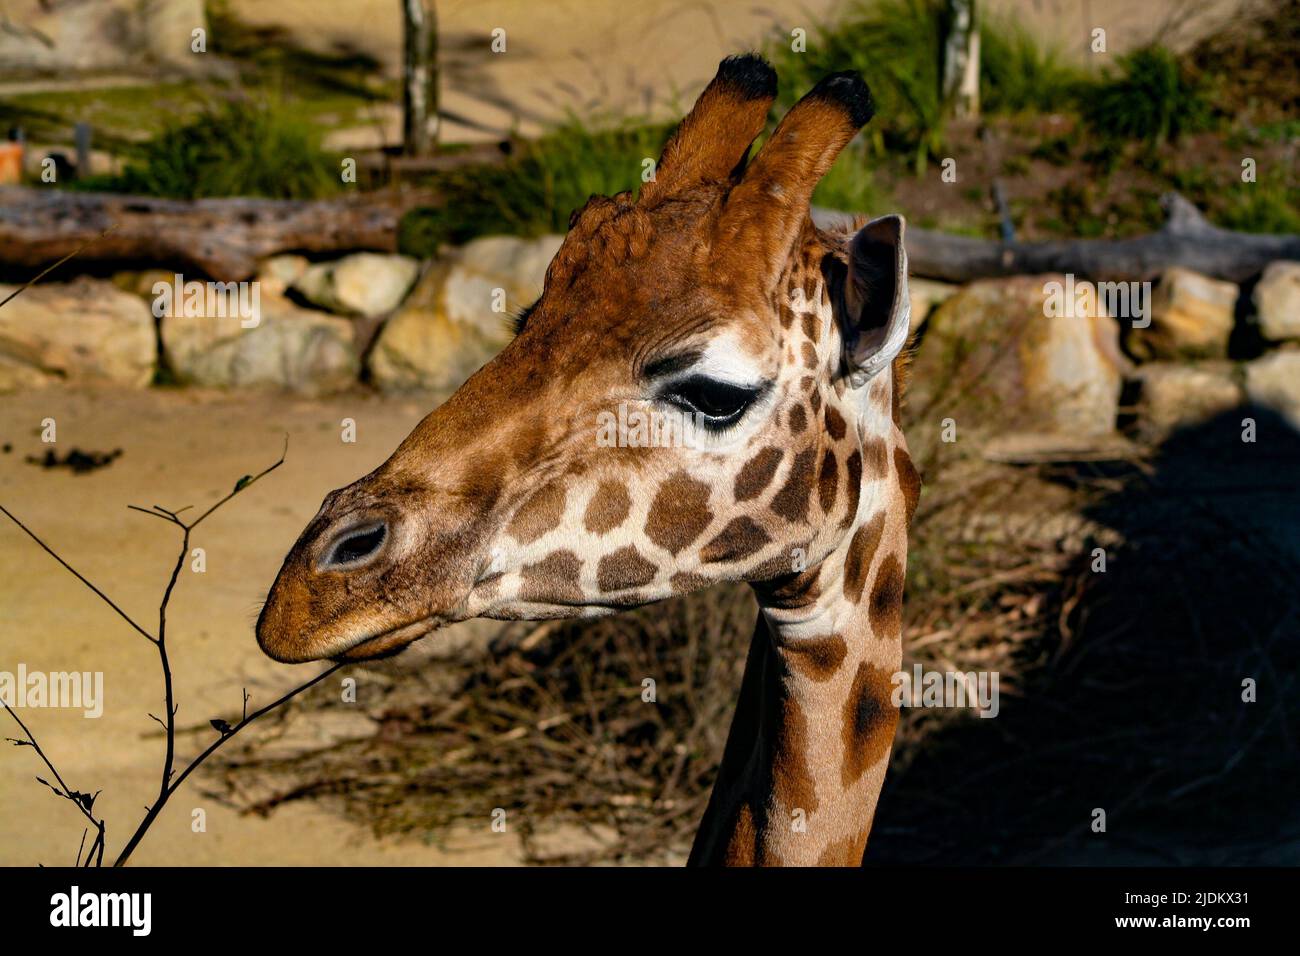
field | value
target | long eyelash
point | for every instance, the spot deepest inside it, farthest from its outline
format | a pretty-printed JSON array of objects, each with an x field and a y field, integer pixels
[
  {"x": 674, "y": 394},
  {"x": 522, "y": 318}
]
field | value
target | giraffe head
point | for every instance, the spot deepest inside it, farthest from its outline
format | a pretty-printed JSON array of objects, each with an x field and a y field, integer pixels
[{"x": 696, "y": 397}]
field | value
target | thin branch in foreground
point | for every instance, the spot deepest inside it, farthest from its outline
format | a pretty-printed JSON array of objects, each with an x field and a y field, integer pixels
[
  {"x": 156, "y": 808},
  {"x": 77, "y": 574},
  {"x": 170, "y": 780},
  {"x": 86, "y": 807},
  {"x": 50, "y": 268}
]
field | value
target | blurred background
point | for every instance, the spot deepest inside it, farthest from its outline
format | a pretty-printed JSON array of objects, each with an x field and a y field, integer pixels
[{"x": 378, "y": 168}]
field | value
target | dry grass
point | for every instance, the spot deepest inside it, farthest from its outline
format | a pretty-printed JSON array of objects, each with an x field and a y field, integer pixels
[{"x": 551, "y": 727}]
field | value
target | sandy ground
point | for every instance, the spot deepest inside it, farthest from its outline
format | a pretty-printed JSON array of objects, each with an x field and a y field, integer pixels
[
  {"x": 179, "y": 448},
  {"x": 615, "y": 57}
]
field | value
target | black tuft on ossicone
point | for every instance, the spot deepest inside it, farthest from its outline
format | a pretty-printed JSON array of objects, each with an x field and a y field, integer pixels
[
  {"x": 749, "y": 75},
  {"x": 850, "y": 91}
]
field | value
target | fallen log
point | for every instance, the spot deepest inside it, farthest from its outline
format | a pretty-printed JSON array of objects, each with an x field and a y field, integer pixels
[
  {"x": 1187, "y": 239},
  {"x": 225, "y": 238},
  {"x": 221, "y": 238}
]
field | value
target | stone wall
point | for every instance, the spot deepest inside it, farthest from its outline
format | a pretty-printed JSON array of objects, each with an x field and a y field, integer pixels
[{"x": 991, "y": 353}]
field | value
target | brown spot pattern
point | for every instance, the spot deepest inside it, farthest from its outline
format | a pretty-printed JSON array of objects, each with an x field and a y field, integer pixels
[
  {"x": 861, "y": 550},
  {"x": 811, "y": 326},
  {"x": 875, "y": 454},
  {"x": 739, "y": 539},
  {"x": 909, "y": 482},
  {"x": 817, "y": 658},
  {"x": 683, "y": 582},
  {"x": 798, "y": 419},
  {"x": 743, "y": 842},
  {"x": 679, "y": 513},
  {"x": 852, "y": 487},
  {"x": 869, "y": 721},
  {"x": 886, "y": 608},
  {"x": 624, "y": 568},
  {"x": 553, "y": 580},
  {"x": 539, "y": 514},
  {"x": 835, "y": 423},
  {"x": 845, "y": 852},
  {"x": 792, "y": 782},
  {"x": 791, "y": 502},
  {"x": 757, "y": 474},
  {"x": 608, "y": 507},
  {"x": 828, "y": 482}
]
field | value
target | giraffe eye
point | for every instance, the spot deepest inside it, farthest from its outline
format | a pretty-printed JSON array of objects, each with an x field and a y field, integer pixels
[{"x": 719, "y": 404}]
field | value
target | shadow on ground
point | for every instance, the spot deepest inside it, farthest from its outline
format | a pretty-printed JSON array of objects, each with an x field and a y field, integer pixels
[{"x": 1139, "y": 710}]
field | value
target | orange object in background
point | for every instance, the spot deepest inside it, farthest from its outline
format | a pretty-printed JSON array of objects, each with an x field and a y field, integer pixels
[{"x": 11, "y": 163}]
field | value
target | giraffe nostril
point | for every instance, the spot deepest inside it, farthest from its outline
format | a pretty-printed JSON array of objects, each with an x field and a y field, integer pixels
[{"x": 356, "y": 546}]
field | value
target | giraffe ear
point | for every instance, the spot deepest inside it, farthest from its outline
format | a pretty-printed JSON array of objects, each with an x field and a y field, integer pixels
[
  {"x": 711, "y": 142},
  {"x": 876, "y": 301}
]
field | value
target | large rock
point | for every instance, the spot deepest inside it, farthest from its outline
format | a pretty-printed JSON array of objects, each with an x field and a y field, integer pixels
[
  {"x": 994, "y": 361},
  {"x": 277, "y": 274},
  {"x": 1277, "y": 301},
  {"x": 1191, "y": 317},
  {"x": 451, "y": 325},
  {"x": 44, "y": 38},
  {"x": 82, "y": 331},
  {"x": 364, "y": 283},
  {"x": 1172, "y": 396},
  {"x": 925, "y": 294},
  {"x": 290, "y": 347},
  {"x": 1274, "y": 382}
]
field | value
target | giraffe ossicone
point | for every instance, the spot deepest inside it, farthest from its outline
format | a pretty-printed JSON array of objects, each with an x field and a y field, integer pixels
[{"x": 713, "y": 294}]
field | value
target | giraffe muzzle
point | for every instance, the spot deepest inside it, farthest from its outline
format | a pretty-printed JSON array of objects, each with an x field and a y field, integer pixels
[{"x": 368, "y": 577}]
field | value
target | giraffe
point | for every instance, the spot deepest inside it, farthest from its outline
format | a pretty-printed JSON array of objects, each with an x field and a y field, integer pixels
[{"x": 712, "y": 295}]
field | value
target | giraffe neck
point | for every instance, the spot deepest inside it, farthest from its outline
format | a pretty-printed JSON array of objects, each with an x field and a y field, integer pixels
[{"x": 810, "y": 740}]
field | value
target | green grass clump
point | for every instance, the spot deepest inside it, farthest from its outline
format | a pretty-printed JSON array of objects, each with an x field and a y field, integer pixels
[
  {"x": 535, "y": 192},
  {"x": 233, "y": 147},
  {"x": 897, "y": 46},
  {"x": 1151, "y": 98},
  {"x": 1271, "y": 205},
  {"x": 1019, "y": 74}
]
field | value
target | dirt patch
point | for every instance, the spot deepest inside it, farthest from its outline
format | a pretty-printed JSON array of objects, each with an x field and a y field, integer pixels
[
  {"x": 75, "y": 460},
  {"x": 179, "y": 448}
]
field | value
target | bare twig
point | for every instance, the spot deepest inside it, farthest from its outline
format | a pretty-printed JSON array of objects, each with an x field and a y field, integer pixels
[
  {"x": 50, "y": 268},
  {"x": 77, "y": 574},
  {"x": 86, "y": 807},
  {"x": 167, "y": 792},
  {"x": 170, "y": 781}
]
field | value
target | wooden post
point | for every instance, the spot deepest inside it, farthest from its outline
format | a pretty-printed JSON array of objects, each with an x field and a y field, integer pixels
[
  {"x": 419, "y": 77},
  {"x": 961, "y": 61}
]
